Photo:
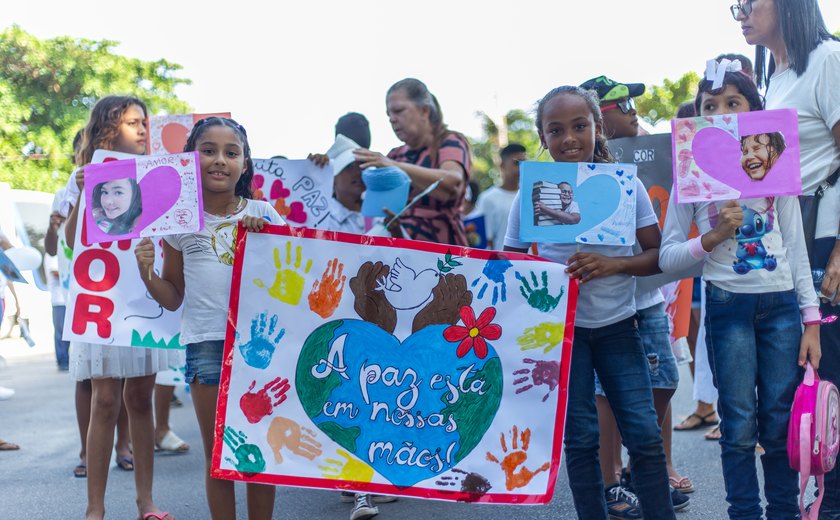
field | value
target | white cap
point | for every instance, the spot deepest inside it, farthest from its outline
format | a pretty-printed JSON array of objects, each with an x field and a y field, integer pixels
[{"x": 341, "y": 153}]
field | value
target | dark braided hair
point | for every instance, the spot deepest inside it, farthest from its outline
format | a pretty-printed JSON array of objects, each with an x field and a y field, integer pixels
[
  {"x": 602, "y": 152},
  {"x": 243, "y": 186},
  {"x": 418, "y": 93}
]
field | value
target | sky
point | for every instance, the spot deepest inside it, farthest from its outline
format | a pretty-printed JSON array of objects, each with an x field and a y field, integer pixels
[{"x": 288, "y": 70}]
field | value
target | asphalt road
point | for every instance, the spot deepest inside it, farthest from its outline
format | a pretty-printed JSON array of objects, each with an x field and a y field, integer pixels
[{"x": 37, "y": 482}]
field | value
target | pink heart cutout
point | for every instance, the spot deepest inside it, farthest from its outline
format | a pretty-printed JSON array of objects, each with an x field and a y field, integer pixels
[
  {"x": 718, "y": 154},
  {"x": 174, "y": 137},
  {"x": 298, "y": 214},
  {"x": 166, "y": 183}
]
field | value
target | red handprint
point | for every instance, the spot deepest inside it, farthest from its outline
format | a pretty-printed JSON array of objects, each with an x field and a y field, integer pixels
[
  {"x": 515, "y": 459},
  {"x": 257, "y": 405}
]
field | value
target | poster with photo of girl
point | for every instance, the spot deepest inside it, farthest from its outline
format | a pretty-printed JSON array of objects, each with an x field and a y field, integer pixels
[
  {"x": 143, "y": 196},
  {"x": 736, "y": 156}
]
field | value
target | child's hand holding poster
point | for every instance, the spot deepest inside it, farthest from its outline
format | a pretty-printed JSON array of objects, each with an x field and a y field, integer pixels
[
  {"x": 389, "y": 366},
  {"x": 736, "y": 156},
  {"x": 143, "y": 197},
  {"x": 567, "y": 203}
]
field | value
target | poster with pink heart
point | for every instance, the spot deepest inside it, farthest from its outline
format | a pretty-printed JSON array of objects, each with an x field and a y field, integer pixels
[
  {"x": 736, "y": 156},
  {"x": 298, "y": 189},
  {"x": 394, "y": 367},
  {"x": 168, "y": 133},
  {"x": 142, "y": 197}
]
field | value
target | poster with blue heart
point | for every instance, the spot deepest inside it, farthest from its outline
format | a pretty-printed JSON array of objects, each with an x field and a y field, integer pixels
[
  {"x": 586, "y": 203},
  {"x": 736, "y": 156},
  {"x": 143, "y": 197},
  {"x": 396, "y": 367}
]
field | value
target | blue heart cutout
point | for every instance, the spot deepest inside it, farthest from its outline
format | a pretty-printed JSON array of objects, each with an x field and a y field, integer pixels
[
  {"x": 619, "y": 172},
  {"x": 383, "y": 443}
]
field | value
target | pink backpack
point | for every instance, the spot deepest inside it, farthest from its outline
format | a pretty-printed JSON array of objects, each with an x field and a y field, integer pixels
[{"x": 813, "y": 434}]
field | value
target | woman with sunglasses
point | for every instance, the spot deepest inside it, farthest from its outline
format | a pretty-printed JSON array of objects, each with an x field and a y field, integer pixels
[{"x": 804, "y": 73}]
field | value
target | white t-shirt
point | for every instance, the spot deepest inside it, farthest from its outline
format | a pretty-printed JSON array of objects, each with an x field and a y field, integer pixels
[
  {"x": 208, "y": 270},
  {"x": 64, "y": 255},
  {"x": 495, "y": 203},
  {"x": 772, "y": 259},
  {"x": 343, "y": 220},
  {"x": 816, "y": 97},
  {"x": 69, "y": 197},
  {"x": 605, "y": 300}
]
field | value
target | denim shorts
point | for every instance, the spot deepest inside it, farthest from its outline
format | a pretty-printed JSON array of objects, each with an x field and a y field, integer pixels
[
  {"x": 204, "y": 362},
  {"x": 654, "y": 329}
]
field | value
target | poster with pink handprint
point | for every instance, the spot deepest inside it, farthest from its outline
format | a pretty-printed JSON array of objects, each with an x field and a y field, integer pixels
[
  {"x": 736, "y": 156},
  {"x": 298, "y": 189},
  {"x": 394, "y": 367}
]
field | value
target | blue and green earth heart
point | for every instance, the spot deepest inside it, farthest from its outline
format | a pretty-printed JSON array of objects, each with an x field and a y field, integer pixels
[{"x": 426, "y": 359}]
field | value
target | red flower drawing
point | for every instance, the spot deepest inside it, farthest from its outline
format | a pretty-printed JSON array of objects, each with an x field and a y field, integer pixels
[{"x": 475, "y": 333}]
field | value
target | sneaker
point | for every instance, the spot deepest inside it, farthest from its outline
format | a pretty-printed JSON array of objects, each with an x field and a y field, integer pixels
[
  {"x": 363, "y": 508},
  {"x": 6, "y": 393},
  {"x": 349, "y": 497},
  {"x": 679, "y": 499},
  {"x": 622, "y": 504}
]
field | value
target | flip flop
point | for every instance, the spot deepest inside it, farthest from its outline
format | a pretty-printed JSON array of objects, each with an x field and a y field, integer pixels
[
  {"x": 80, "y": 471},
  {"x": 125, "y": 463},
  {"x": 172, "y": 443},
  {"x": 163, "y": 515},
  {"x": 8, "y": 446},
  {"x": 713, "y": 435},
  {"x": 702, "y": 422},
  {"x": 682, "y": 484}
]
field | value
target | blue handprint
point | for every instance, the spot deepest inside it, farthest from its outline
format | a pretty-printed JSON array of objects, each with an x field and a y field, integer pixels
[
  {"x": 493, "y": 273},
  {"x": 257, "y": 352}
]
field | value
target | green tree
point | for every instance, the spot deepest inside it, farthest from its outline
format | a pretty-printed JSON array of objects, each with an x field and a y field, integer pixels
[
  {"x": 518, "y": 127},
  {"x": 660, "y": 102},
  {"x": 47, "y": 89}
]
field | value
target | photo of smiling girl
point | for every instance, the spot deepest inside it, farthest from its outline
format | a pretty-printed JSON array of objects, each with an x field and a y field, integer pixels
[
  {"x": 117, "y": 205},
  {"x": 760, "y": 152}
]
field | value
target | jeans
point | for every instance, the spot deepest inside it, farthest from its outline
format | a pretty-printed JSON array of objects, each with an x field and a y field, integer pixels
[
  {"x": 616, "y": 354},
  {"x": 829, "y": 370},
  {"x": 62, "y": 348},
  {"x": 753, "y": 345}
]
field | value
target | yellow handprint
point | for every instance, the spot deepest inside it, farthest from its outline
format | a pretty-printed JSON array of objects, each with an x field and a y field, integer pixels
[
  {"x": 545, "y": 335},
  {"x": 348, "y": 469},
  {"x": 288, "y": 283}
]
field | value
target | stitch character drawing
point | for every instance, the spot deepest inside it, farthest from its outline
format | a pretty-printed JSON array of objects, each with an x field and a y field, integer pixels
[{"x": 751, "y": 252}]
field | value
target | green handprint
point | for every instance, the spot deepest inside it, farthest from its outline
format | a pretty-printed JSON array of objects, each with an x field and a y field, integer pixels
[
  {"x": 249, "y": 458},
  {"x": 68, "y": 251},
  {"x": 288, "y": 283},
  {"x": 545, "y": 336},
  {"x": 538, "y": 297}
]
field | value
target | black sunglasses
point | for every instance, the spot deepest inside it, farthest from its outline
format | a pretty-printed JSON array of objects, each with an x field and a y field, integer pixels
[
  {"x": 625, "y": 106},
  {"x": 743, "y": 7}
]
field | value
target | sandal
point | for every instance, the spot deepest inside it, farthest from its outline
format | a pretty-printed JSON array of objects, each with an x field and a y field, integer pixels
[
  {"x": 172, "y": 443},
  {"x": 125, "y": 463},
  {"x": 713, "y": 435},
  {"x": 162, "y": 515},
  {"x": 8, "y": 446},
  {"x": 682, "y": 484},
  {"x": 80, "y": 471},
  {"x": 702, "y": 422}
]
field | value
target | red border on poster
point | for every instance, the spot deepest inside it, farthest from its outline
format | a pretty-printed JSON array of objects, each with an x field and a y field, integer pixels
[{"x": 224, "y": 385}]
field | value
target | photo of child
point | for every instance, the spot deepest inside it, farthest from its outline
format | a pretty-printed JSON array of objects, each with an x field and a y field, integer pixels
[
  {"x": 760, "y": 152},
  {"x": 117, "y": 205},
  {"x": 554, "y": 204}
]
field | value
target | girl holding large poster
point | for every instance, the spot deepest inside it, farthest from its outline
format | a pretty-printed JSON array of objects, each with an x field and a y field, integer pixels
[
  {"x": 607, "y": 341},
  {"x": 753, "y": 257},
  {"x": 197, "y": 271},
  {"x": 116, "y": 123}
]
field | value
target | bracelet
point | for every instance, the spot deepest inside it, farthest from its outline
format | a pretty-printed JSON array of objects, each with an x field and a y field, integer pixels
[{"x": 815, "y": 322}]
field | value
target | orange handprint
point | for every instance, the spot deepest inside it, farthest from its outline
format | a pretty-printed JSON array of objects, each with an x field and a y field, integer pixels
[
  {"x": 514, "y": 459},
  {"x": 326, "y": 292}
]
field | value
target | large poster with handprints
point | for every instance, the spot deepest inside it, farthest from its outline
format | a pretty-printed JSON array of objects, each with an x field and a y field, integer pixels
[
  {"x": 396, "y": 367},
  {"x": 299, "y": 189},
  {"x": 107, "y": 302}
]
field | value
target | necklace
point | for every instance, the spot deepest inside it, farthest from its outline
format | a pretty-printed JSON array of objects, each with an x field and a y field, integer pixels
[{"x": 235, "y": 210}]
